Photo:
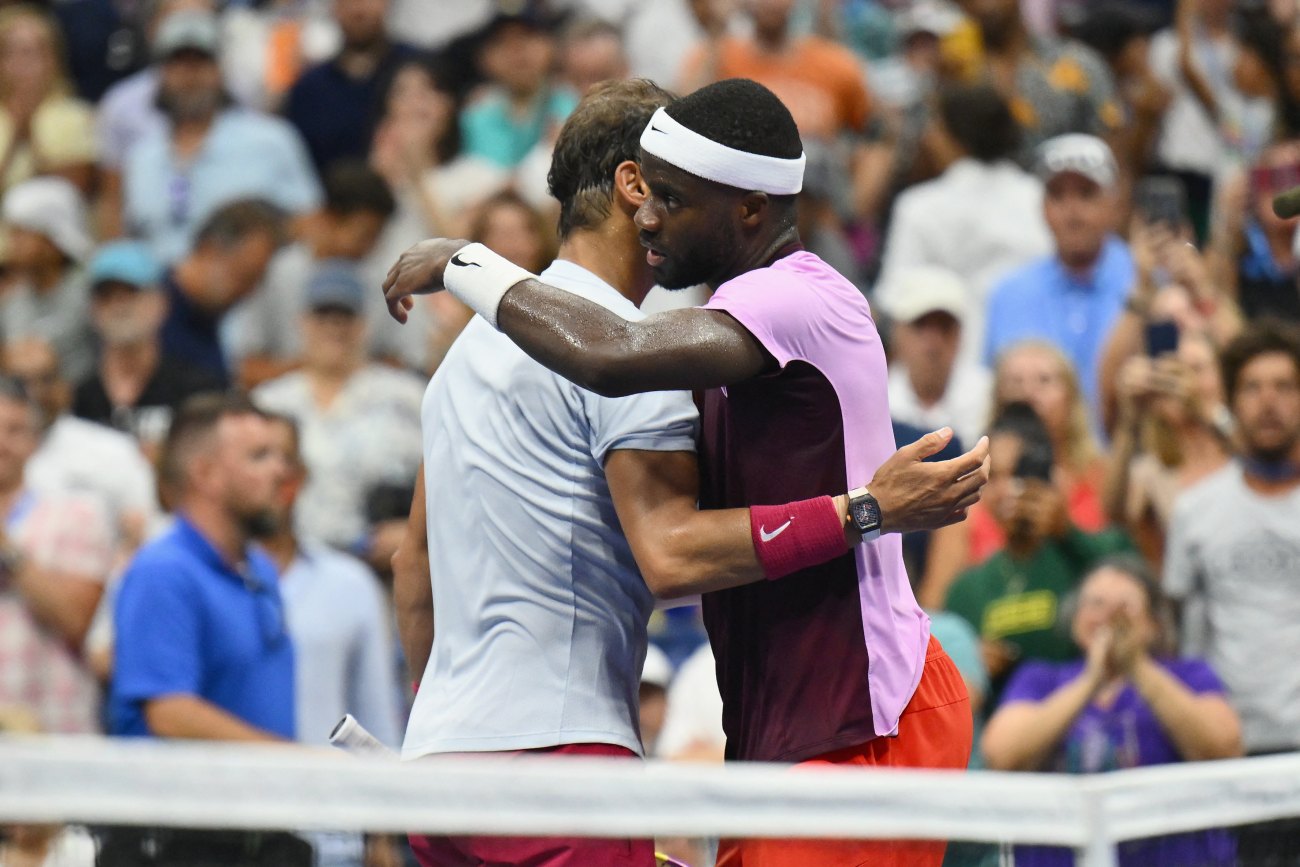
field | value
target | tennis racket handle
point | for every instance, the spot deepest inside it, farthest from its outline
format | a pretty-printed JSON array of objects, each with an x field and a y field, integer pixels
[{"x": 352, "y": 736}]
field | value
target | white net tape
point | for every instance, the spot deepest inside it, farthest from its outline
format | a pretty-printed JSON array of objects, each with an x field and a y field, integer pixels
[{"x": 97, "y": 781}]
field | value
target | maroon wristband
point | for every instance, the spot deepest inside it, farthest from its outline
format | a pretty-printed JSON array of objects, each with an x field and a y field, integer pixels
[{"x": 797, "y": 535}]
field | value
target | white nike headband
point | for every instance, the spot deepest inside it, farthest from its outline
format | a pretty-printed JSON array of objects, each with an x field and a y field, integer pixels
[{"x": 691, "y": 152}]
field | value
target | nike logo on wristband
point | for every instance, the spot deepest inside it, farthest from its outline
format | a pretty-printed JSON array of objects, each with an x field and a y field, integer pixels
[
  {"x": 768, "y": 537},
  {"x": 457, "y": 260}
]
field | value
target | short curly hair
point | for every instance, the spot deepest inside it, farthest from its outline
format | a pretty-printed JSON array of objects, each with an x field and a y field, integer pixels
[{"x": 741, "y": 114}]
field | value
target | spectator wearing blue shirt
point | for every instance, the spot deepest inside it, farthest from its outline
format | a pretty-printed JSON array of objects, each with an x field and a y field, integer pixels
[
  {"x": 335, "y": 105},
  {"x": 230, "y": 256},
  {"x": 340, "y": 622},
  {"x": 524, "y": 106},
  {"x": 209, "y": 152},
  {"x": 1074, "y": 297},
  {"x": 202, "y": 650}
]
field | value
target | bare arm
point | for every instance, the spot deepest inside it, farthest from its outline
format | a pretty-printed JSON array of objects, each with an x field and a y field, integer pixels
[
  {"x": 679, "y": 350},
  {"x": 682, "y": 550},
  {"x": 190, "y": 717},
  {"x": 1202, "y": 726},
  {"x": 1022, "y": 735},
  {"x": 64, "y": 603},
  {"x": 412, "y": 592}
]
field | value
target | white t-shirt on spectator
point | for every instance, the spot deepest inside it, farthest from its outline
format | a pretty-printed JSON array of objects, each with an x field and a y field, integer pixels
[
  {"x": 964, "y": 405},
  {"x": 978, "y": 220},
  {"x": 694, "y": 719},
  {"x": 369, "y": 436}
]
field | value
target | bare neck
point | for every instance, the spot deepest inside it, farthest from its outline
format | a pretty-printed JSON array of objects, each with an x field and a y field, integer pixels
[
  {"x": 612, "y": 253},
  {"x": 282, "y": 548},
  {"x": 761, "y": 253}
]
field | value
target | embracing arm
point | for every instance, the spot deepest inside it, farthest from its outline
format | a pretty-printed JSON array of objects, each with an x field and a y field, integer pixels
[
  {"x": 683, "y": 550},
  {"x": 679, "y": 350}
]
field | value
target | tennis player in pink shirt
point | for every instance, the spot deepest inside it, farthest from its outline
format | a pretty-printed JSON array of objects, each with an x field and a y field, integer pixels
[{"x": 834, "y": 663}]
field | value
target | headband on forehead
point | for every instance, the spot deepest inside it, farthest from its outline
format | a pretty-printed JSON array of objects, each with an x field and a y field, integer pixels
[{"x": 691, "y": 152}]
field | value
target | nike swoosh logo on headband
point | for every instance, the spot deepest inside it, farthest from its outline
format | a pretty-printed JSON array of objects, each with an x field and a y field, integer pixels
[
  {"x": 457, "y": 260},
  {"x": 768, "y": 537},
  {"x": 654, "y": 128}
]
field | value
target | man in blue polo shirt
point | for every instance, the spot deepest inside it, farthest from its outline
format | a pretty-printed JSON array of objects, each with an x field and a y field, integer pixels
[
  {"x": 1073, "y": 297},
  {"x": 201, "y": 649}
]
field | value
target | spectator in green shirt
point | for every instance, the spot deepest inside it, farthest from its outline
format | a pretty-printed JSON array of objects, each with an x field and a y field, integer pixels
[{"x": 1013, "y": 599}]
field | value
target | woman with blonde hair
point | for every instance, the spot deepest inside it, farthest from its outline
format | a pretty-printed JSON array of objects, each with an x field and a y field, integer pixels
[
  {"x": 44, "y": 129},
  {"x": 1039, "y": 374}
]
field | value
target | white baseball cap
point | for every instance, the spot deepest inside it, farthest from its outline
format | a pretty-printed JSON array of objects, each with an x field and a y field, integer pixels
[
  {"x": 922, "y": 289},
  {"x": 52, "y": 207},
  {"x": 657, "y": 671},
  {"x": 1081, "y": 154}
]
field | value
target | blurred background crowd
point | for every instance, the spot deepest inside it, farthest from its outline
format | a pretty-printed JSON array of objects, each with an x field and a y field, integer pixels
[{"x": 1058, "y": 209}]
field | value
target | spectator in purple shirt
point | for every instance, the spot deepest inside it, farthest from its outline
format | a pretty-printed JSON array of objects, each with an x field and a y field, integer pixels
[{"x": 1124, "y": 705}]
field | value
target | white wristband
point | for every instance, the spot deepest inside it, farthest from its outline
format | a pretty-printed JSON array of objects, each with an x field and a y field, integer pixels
[{"x": 480, "y": 278}]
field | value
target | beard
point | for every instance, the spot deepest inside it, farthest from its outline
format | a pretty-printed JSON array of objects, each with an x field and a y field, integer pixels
[
  {"x": 190, "y": 106},
  {"x": 261, "y": 523}
]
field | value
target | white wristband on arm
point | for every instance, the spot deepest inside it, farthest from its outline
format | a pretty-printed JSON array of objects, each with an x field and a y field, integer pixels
[{"x": 480, "y": 278}]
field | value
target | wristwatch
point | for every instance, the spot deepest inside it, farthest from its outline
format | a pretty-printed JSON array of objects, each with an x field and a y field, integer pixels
[{"x": 864, "y": 514}]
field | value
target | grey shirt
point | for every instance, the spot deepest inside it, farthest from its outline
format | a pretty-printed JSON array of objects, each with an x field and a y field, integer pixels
[
  {"x": 60, "y": 315},
  {"x": 1233, "y": 559}
]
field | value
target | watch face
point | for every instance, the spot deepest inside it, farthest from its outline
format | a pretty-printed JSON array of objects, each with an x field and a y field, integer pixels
[{"x": 866, "y": 514}]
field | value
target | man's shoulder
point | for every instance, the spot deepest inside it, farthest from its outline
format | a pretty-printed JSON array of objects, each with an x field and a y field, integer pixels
[
  {"x": 284, "y": 393},
  {"x": 135, "y": 90},
  {"x": 345, "y": 573},
  {"x": 251, "y": 128},
  {"x": 165, "y": 557},
  {"x": 381, "y": 381},
  {"x": 70, "y": 432},
  {"x": 1025, "y": 281},
  {"x": 1207, "y": 497}
]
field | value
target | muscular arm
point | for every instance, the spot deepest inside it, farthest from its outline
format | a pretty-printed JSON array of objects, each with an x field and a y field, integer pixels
[
  {"x": 683, "y": 550},
  {"x": 412, "y": 592},
  {"x": 678, "y": 350},
  {"x": 680, "y": 549}
]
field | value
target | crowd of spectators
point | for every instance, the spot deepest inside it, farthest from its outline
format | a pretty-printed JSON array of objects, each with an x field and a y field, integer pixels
[{"x": 1059, "y": 211}]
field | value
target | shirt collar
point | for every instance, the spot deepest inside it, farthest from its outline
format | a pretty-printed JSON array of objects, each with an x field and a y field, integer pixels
[{"x": 193, "y": 539}]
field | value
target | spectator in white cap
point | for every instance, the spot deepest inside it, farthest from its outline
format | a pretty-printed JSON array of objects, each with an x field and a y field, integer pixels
[
  {"x": 656, "y": 674},
  {"x": 48, "y": 238},
  {"x": 360, "y": 421},
  {"x": 929, "y": 385},
  {"x": 210, "y": 152},
  {"x": 1072, "y": 298},
  {"x": 982, "y": 218}
]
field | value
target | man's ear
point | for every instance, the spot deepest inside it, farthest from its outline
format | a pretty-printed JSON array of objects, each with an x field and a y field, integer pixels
[
  {"x": 630, "y": 187},
  {"x": 752, "y": 209}
]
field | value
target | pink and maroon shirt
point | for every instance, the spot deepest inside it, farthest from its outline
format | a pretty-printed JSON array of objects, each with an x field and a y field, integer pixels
[{"x": 825, "y": 658}]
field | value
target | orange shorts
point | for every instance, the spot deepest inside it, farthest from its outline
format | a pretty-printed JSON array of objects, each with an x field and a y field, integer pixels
[{"x": 934, "y": 732}]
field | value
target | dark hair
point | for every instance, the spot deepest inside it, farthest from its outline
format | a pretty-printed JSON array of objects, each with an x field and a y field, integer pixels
[
  {"x": 740, "y": 114},
  {"x": 192, "y": 425},
  {"x": 235, "y": 221},
  {"x": 1264, "y": 337},
  {"x": 441, "y": 76},
  {"x": 980, "y": 120},
  {"x": 352, "y": 187},
  {"x": 603, "y": 131},
  {"x": 1109, "y": 27},
  {"x": 1141, "y": 573},
  {"x": 1020, "y": 420}
]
